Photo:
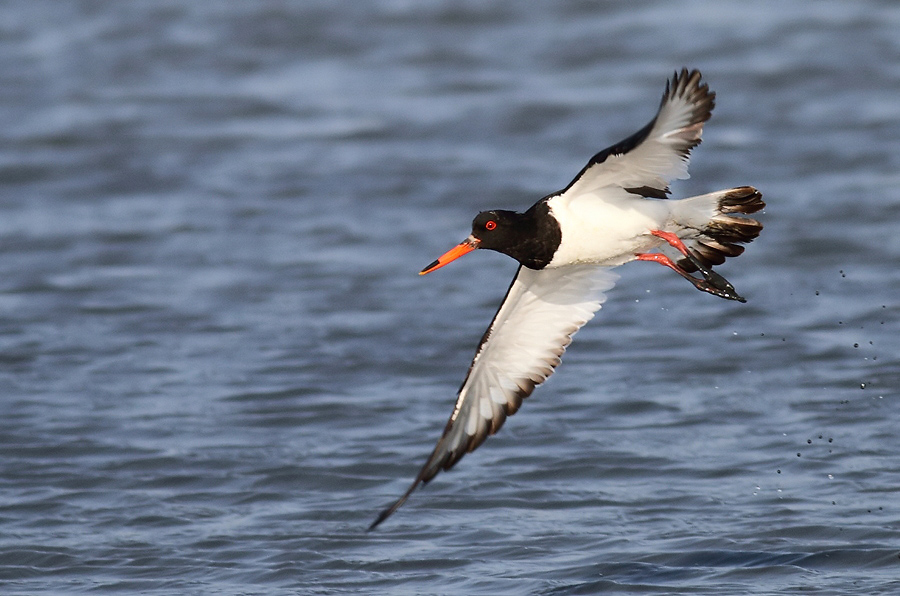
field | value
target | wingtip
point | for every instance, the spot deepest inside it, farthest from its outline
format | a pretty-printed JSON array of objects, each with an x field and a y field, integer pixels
[
  {"x": 389, "y": 511},
  {"x": 690, "y": 87},
  {"x": 686, "y": 77},
  {"x": 381, "y": 517}
]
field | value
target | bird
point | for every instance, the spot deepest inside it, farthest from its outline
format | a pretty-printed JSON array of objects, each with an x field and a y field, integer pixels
[{"x": 613, "y": 212}]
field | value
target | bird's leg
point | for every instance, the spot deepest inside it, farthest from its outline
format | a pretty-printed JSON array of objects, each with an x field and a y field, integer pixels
[
  {"x": 712, "y": 282},
  {"x": 708, "y": 274}
]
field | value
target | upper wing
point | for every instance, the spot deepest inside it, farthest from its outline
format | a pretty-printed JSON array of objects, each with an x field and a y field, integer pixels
[
  {"x": 648, "y": 160},
  {"x": 519, "y": 350}
]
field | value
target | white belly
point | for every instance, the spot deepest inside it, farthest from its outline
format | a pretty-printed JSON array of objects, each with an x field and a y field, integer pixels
[{"x": 606, "y": 231}]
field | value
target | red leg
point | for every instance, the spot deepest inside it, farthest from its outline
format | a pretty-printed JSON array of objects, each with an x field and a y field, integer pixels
[
  {"x": 712, "y": 282},
  {"x": 658, "y": 257},
  {"x": 672, "y": 239}
]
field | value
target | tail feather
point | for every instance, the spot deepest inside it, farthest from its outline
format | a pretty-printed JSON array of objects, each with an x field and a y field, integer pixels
[
  {"x": 719, "y": 238},
  {"x": 743, "y": 199}
]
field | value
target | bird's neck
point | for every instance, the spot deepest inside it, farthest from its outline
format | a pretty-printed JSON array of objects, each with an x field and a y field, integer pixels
[{"x": 539, "y": 235}]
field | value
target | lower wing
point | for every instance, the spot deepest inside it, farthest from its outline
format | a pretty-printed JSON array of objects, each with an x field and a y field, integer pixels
[{"x": 519, "y": 351}]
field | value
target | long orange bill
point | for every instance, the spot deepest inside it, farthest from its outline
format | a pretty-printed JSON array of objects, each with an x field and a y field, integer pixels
[{"x": 466, "y": 246}]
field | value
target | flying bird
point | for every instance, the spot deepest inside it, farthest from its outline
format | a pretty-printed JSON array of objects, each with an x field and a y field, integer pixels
[{"x": 613, "y": 212}]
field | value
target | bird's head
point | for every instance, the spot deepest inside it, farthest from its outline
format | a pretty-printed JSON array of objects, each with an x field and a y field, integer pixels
[{"x": 494, "y": 230}]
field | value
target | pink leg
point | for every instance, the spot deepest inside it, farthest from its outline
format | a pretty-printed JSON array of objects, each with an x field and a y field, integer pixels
[
  {"x": 712, "y": 282},
  {"x": 672, "y": 239},
  {"x": 657, "y": 257}
]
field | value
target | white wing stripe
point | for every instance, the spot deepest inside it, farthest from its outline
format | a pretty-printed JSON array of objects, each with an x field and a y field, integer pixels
[
  {"x": 653, "y": 158},
  {"x": 529, "y": 334},
  {"x": 522, "y": 347}
]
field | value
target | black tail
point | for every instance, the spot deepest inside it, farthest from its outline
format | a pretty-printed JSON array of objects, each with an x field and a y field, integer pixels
[{"x": 721, "y": 236}]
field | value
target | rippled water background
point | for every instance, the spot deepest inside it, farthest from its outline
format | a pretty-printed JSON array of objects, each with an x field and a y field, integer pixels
[{"x": 217, "y": 362}]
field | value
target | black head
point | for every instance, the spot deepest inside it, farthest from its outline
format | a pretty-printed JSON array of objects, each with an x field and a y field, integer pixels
[
  {"x": 530, "y": 238},
  {"x": 497, "y": 230}
]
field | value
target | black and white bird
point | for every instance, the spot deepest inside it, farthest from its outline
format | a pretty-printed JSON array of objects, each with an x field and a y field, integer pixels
[{"x": 566, "y": 244}]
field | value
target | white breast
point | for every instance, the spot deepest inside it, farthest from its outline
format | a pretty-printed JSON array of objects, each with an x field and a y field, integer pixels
[{"x": 606, "y": 229}]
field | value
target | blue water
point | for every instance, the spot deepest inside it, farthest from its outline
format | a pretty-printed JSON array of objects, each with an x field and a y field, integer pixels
[{"x": 217, "y": 362}]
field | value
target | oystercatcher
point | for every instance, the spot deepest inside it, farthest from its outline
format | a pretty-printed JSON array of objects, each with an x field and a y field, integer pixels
[{"x": 566, "y": 243}]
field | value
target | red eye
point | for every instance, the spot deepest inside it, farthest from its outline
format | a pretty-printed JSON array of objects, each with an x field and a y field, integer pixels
[{"x": 491, "y": 225}]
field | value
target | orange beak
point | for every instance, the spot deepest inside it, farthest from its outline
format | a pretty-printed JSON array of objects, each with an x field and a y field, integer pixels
[{"x": 466, "y": 246}]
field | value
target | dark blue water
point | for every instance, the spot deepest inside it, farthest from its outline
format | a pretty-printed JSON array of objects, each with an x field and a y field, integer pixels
[{"x": 217, "y": 362}]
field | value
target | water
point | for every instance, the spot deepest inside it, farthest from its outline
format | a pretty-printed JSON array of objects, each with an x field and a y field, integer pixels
[{"x": 217, "y": 363}]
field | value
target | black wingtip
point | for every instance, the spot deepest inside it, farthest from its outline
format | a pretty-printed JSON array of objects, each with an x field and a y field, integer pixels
[
  {"x": 381, "y": 517},
  {"x": 389, "y": 511},
  {"x": 386, "y": 513}
]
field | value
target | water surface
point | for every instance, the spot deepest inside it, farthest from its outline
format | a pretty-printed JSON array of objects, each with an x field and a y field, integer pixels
[{"x": 218, "y": 363}]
